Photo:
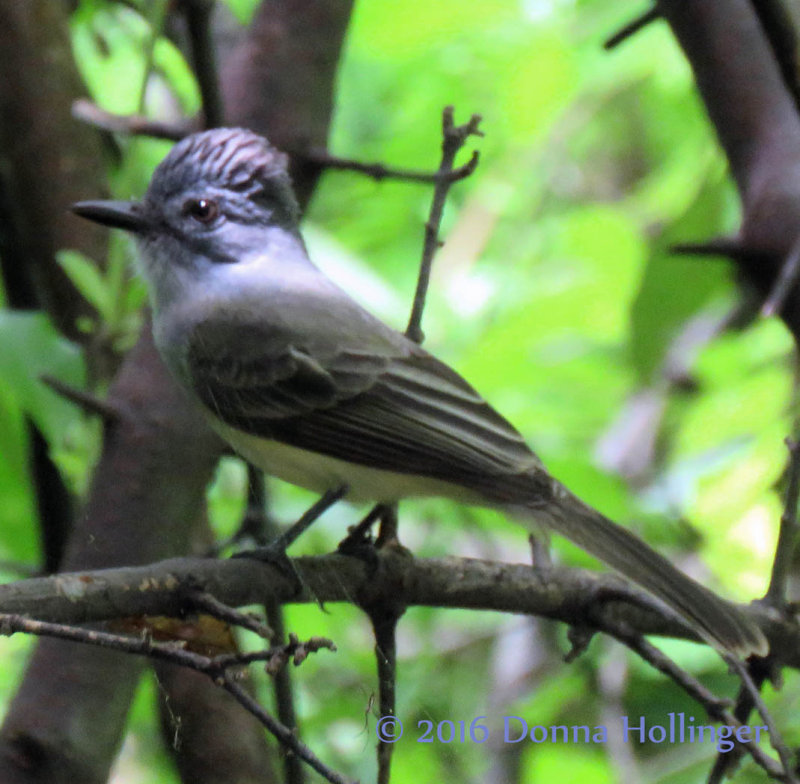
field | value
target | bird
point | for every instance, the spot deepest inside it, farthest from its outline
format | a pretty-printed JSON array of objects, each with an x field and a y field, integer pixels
[{"x": 312, "y": 388}]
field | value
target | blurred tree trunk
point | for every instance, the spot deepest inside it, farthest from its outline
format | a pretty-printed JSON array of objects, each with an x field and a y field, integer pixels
[{"x": 147, "y": 500}]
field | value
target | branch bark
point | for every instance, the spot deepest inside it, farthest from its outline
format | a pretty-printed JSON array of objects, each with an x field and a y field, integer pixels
[
  {"x": 573, "y": 596},
  {"x": 48, "y": 160},
  {"x": 755, "y": 116},
  {"x": 156, "y": 462}
]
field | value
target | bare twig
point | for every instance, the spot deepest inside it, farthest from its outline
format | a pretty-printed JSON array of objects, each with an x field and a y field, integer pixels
[
  {"x": 728, "y": 247},
  {"x": 159, "y": 15},
  {"x": 261, "y": 526},
  {"x": 787, "y": 278},
  {"x": 281, "y": 732},
  {"x": 133, "y": 124},
  {"x": 198, "y": 21},
  {"x": 215, "y": 667},
  {"x": 257, "y": 522},
  {"x": 727, "y": 761},
  {"x": 310, "y": 516},
  {"x": 284, "y": 696},
  {"x": 138, "y": 125},
  {"x": 775, "y": 738},
  {"x": 715, "y": 707},
  {"x": 631, "y": 28},
  {"x": 787, "y": 535},
  {"x": 781, "y": 31},
  {"x": 88, "y": 402},
  {"x": 205, "y": 602},
  {"x": 379, "y": 171},
  {"x": 454, "y": 137},
  {"x": 385, "y": 614},
  {"x": 384, "y": 618}
]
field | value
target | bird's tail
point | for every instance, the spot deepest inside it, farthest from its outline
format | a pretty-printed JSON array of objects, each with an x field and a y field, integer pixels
[{"x": 718, "y": 622}]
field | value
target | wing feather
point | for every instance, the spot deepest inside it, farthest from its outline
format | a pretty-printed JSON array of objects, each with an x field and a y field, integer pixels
[{"x": 399, "y": 410}]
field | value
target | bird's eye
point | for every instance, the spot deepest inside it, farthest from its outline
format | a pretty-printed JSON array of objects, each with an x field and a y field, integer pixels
[{"x": 202, "y": 210}]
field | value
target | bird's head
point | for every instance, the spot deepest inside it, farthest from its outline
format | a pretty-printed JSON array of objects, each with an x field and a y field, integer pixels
[{"x": 217, "y": 198}]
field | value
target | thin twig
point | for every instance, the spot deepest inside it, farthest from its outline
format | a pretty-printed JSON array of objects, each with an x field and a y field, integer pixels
[
  {"x": 726, "y": 761},
  {"x": 132, "y": 124},
  {"x": 277, "y": 656},
  {"x": 217, "y": 668},
  {"x": 198, "y": 21},
  {"x": 631, "y": 28},
  {"x": 775, "y": 738},
  {"x": 787, "y": 278},
  {"x": 256, "y": 527},
  {"x": 156, "y": 28},
  {"x": 259, "y": 524},
  {"x": 310, "y": 516},
  {"x": 778, "y": 23},
  {"x": 175, "y": 652},
  {"x": 454, "y": 137},
  {"x": 282, "y": 733},
  {"x": 379, "y": 171},
  {"x": 729, "y": 247},
  {"x": 137, "y": 125},
  {"x": 284, "y": 696},
  {"x": 205, "y": 602},
  {"x": 787, "y": 535},
  {"x": 384, "y": 616},
  {"x": 88, "y": 402},
  {"x": 715, "y": 707},
  {"x": 276, "y": 549}
]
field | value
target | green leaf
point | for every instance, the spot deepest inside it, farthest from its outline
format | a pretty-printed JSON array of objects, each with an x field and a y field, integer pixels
[
  {"x": 31, "y": 348},
  {"x": 17, "y": 510},
  {"x": 83, "y": 272},
  {"x": 675, "y": 287},
  {"x": 243, "y": 10}
]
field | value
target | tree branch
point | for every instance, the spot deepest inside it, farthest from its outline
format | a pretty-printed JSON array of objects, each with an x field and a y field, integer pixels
[
  {"x": 453, "y": 140},
  {"x": 633, "y": 27},
  {"x": 755, "y": 116},
  {"x": 716, "y": 708},
  {"x": 787, "y": 536},
  {"x": 198, "y": 22},
  {"x": 218, "y": 668},
  {"x": 573, "y": 596}
]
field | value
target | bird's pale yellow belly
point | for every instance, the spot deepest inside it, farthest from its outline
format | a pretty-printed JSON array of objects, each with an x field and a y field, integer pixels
[{"x": 319, "y": 472}]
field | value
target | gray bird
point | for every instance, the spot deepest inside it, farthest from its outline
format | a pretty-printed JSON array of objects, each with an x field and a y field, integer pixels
[{"x": 313, "y": 389}]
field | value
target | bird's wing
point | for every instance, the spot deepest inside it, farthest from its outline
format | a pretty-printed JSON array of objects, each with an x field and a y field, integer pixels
[{"x": 398, "y": 408}]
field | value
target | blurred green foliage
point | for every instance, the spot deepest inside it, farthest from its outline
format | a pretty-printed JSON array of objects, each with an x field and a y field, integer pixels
[{"x": 556, "y": 294}]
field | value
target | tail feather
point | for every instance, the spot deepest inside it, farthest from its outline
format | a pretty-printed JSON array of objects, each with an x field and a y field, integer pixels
[{"x": 717, "y": 621}]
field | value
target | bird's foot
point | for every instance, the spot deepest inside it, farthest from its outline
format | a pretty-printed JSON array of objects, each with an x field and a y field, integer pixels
[
  {"x": 275, "y": 552},
  {"x": 359, "y": 542}
]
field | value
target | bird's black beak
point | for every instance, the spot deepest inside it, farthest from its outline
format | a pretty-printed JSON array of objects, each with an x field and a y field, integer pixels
[{"x": 128, "y": 215}]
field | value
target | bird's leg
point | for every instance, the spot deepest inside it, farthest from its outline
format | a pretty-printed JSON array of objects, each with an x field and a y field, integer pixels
[
  {"x": 359, "y": 542},
  {"x": 360, "y": 534},
  {"x": 275, "y": 552}
]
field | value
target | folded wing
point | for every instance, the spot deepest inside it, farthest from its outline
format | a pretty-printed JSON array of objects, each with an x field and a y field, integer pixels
[{"x": 398, "y": 410}]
